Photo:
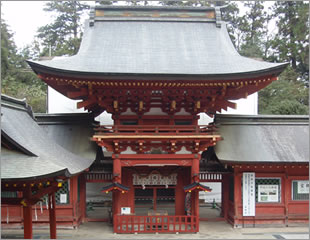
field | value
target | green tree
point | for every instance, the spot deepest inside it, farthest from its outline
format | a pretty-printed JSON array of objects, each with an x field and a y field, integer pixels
[
  {"x": 285, "y": 96},
  {"x": 8, "y": 50},
  {"x": 230, "y": 14},
  {"x": 16, "y": 79},
  {"x": 252, "y": 24},
  {"x": 291, "y": 43},
  {"x": 62, "y": 36},
  {"x": 290, "y": 94},
  {"x": 106, "y": 2},
  {"x": 193, "y": 3}
]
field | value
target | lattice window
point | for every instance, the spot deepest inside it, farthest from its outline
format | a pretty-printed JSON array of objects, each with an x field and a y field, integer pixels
[
  {"x": 64, "y": 190},
  {"x": 300, "y": 190},
  {"x": 268, "y": 190},
  {"x": 8, "y": 194}
]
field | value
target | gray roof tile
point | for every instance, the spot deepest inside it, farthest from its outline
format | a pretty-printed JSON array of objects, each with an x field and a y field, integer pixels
[
  {"x": 50, "y": 158},
  {"x": 263, "y": 138},
  {"x": 71, "y": 131},
  {"x": 157, "y": 47}
]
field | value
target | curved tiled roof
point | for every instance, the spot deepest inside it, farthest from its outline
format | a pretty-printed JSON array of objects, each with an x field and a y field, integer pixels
[
  {"x": 34, "y": 154},
  {"x": 157, "y": 46},
  {"x": 72, "y": 131}
]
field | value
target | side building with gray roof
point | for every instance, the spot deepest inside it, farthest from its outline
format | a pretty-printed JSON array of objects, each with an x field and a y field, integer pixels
[
  {"x": 27, "y": 150},
  {"x": 263, "y": 139},
  {"x": 267, "y": 160},
  {"x": 39, "y": 151}
]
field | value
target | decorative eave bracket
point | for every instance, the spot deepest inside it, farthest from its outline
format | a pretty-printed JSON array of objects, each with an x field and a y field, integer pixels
[{"x": 196, "y": 186}]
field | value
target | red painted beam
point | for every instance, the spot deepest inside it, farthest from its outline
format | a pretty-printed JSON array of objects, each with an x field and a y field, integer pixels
[
  {"x": 86, "y": 103},
  {"x": 11, "y": 201},
  {"x": 82, "y": 93},
  {"x": 40, "y": 193},
  {"x": 155, "y": 156},
  {"x": 157, "y": 162}
]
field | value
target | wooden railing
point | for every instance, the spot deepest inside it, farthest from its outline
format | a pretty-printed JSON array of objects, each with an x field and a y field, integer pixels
[
  {"x": 155, "y": 224},
  {"x": 98, "y": 177},
  {"x": 156, "y": 130},
  {"x": 210, "y": 177},
  {"x": 107, "y": 177}
]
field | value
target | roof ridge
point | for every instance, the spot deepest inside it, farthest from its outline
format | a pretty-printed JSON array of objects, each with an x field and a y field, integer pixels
[
  {"x": 64, "y": 118},
  {"x": 260, "y": 116},
  {"x": 18, "y": 104},
  {"x": 13, "y": 99},
  {"x": 260, "y": 119},
  {"x": 139, "y": 7}
]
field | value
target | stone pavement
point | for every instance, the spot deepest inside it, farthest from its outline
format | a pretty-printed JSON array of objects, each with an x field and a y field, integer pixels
[{"x": 208, "y": 230}]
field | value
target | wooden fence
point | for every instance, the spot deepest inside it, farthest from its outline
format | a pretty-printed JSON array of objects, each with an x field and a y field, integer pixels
[{"x": 156, "y": 224}]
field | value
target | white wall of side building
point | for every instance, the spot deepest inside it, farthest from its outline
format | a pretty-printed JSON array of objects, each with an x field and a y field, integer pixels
[
  {"x": 245, "y": 106},
  {"x": 58, "y": 103}
]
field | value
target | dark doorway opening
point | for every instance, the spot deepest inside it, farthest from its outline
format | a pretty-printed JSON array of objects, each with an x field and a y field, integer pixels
[{"x": 153, "y": 200}]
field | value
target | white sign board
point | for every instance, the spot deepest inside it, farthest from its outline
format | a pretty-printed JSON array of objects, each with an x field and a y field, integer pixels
[
  {"x": 248, "y": 190},
  {"x": 268, "y": 193},
  {"x": 63, "y": 198},
  {"x": 125, "y": 210},
  {"x": 303, "y": 187}
]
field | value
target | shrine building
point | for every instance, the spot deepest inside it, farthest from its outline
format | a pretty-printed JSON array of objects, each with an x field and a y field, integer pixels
[{"x": 155, "y": 69}]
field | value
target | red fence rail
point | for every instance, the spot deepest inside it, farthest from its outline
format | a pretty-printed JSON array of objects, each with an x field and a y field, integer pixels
[
  {"x": 153, "y": 224},
  {"x": 98, "y": 177},
  {"x": 158, "y": 129}
]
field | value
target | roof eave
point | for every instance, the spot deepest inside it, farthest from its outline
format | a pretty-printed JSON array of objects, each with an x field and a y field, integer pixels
[
  {"x": 40, "y": 68},
  {"x": 253, "y": 162},
  {"x": 16, "y": 144},
  {"x": 64, "y": 173}
]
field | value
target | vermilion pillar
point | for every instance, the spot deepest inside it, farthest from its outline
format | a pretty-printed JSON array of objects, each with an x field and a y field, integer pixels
[
  {"x": 27, "y": 212},
  {"x": 237, "y": 196},
  {"x": 115, "y": 208},
  {"x": 117, "y": 177},
  {"x": 195, "y": 194},
  {"x": 52, "y": 215},
  {"x": 287, "y": 194},
  {"x": 117, "y": 170},
  {"x": 225, "y": 195},
  {"x": 180, "y": 193},
  {"x": 83, "y": 196}
]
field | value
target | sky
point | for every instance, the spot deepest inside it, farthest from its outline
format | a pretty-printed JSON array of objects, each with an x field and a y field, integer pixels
[{"x": 25, "y": 17}]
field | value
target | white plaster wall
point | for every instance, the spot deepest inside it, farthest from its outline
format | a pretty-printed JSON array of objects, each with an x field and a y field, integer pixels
[
  {"x": 58, "y": 103},
  {"x": 245, "y": 106}
]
